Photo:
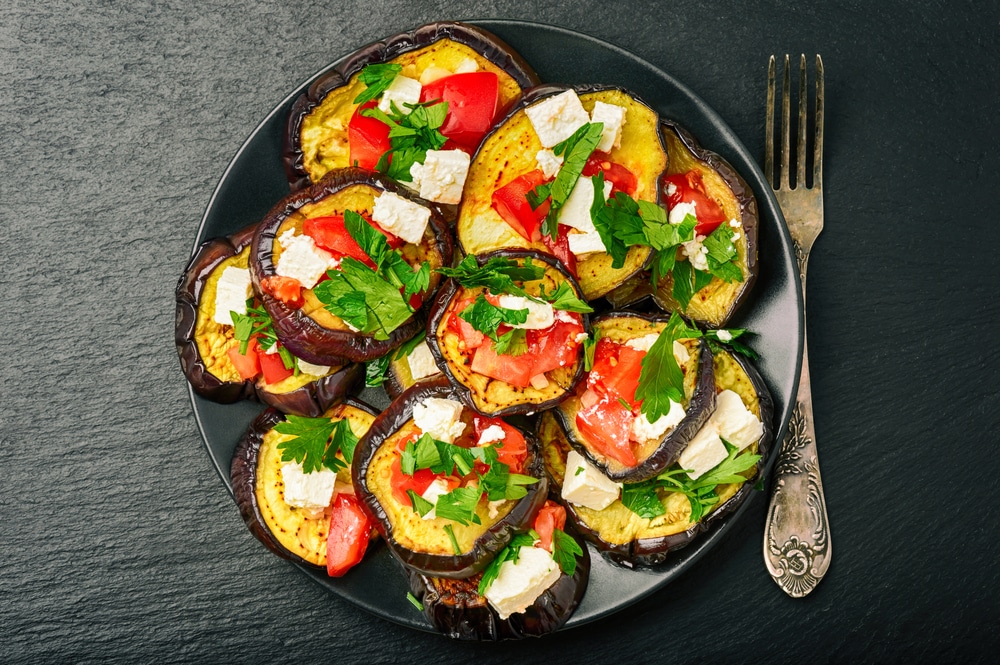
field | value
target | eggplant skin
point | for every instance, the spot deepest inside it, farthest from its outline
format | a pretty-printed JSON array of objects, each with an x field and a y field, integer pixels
[
  {"x": 495, "y": 538},
  {"x": 314, "y": 398},
  {"x": 243, "y": 473},
  {"x": 669, "y": 448},
  {"x": 300, "y": 333},
  {"x": 528, "y": 400},
  {"x": 654, "y": 551},
  {"x": 718, "y": 302},
  {"x": 486, "y": 44},
  {"x": 455, "y": 608}
]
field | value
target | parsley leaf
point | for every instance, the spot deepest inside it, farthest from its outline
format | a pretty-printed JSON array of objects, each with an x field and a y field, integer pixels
[
  {"x": 454, "y": 541},
  {"x": 421, "y": 506},
  {"x": 257, "y": 322},
  {"x": 358, "y": 295},
  {"x": 589, "y": 346},
  {"x": 377, "y": 77},
  {"x": 512, "y": 343},
  {"x": 498, "y": 274},
  {"x": 642, "y": 499},
  {"x": 661, "y": 379},
  {"x": 730, "y": 338},
  {"x": 414, "y": 601},
  {"x": 565, "y": 550},
  {"x": 375, "y": 370},
  {"x": 564, "y": 297},
  {"x": 576, "y": 151},
  {"x": 486, "y": 317},
  {"x": 308, "y": 443},
  {"x": 411, "y": 134},
  {"x": 722, "y": 254},
  {"x": 459, "y": 505}
]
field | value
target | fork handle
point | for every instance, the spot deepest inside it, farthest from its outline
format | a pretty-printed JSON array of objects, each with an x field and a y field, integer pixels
[{"x": 797, "y": 534}]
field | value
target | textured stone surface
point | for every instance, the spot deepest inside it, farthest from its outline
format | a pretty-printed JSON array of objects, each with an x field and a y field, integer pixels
[{"x": 119, "y": 542}]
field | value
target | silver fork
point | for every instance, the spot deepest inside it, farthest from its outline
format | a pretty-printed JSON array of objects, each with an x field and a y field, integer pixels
[{"x": 797, "y": 534}]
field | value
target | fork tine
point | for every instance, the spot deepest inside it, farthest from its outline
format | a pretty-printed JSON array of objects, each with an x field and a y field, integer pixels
[
  {"x": 818, "y": 151},
  {"x": 800, "y": 149},
  {"x": 785, "y": 130},
  {"x": 769, "y": 126}
]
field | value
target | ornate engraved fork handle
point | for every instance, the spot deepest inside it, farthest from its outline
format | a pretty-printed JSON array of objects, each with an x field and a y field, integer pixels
[{"x": 797, "y": 546}]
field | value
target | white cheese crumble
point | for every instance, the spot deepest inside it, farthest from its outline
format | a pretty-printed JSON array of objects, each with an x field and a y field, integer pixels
[
  {"x": 582, "y": 244},
  {"x": 588, "y": 488},
  {"x": 442, "y": 175},
  {"x": 681, "y": 352},
  {"x": 556, "y": 118},
  {"x": 302, "y": 260},
  {"x": 644, "y": 343},
  {"x": 431, "y": 494},
  {"x": 680, "y": 211},
  {"x": 402, "y": 90},
  {"x": 518, "y": 584},
  {"x": 421, "y": 362},
  {"x": 312, "y": 491},
  {"x": 613, "y": 117},
  {"x": 231, "y": 293},
  {"x": 704, "y": 452},
  {"x": 696, "y": 253},
  {"x": 643, "y": 430},
  {"x": 582, "y": 337},
  {"x": 724, "y": 335},
  {"x": 309, "y": 368},
  {"x": 491, "y": 434},
  {"x": 401, "y": 217},
  {"x": 540, "y": 314},
  {"x": 731, "y": 421},
  {"x": 575, "y": 212},
  {"x": 671, "y": 189},
  {"x": 441, "y": 418},
  {"x": 549, "y": 162}
]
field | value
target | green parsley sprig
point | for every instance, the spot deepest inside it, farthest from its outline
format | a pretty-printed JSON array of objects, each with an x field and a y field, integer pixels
[
  {"x": 565, "y": 551},
  {"x": 498, "y": 274},
  {"x": 411, "y": 134},
  {"x": 376, "y": 77},
  {"x": 258, "y": 322},
  {"x": 661, "y": 379},
  {"x": 375, "y": 370},
  {"x": 576, "y": 150},
  {"x": 315, "y": 442}
]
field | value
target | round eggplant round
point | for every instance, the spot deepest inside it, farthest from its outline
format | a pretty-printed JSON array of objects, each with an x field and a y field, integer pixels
[
  {"x": 628, "y": 539},
  {"x": 425, "y": 544},
  {"x": 718, "y": 301},
  {"x": 652, "y": 455},
  {"x": 510, "y": 152},
  {"x": 292, "y": 533},
  {"x": 203, "y": 344},
  {"x": 310, "y": 331},
  {"x": 455, "y": 608},
  {"x": 492, "y": 396},
  {"x": 316, "y": 139}
]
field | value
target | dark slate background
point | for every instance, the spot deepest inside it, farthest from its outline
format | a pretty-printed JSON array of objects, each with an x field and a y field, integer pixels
[{"x": 118, "y": 541}]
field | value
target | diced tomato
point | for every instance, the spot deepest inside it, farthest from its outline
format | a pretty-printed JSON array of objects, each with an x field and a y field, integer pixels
[
  {"x": 247, "y": 365},
  {"x": 513, "y": 450},
  {"x": 515, "y": 370},
  {"x": 348, "y": 537},
  {"x": 621, "y": 179},
  {"x": 286, "y": 289},
  {"x": 511, "y": 203},
  {"x": 550, "y": 517},
  {"x": 331, "y": 234},
  {"x": 559, "y": 248},
  {"x": 554, "y": 347},
  {"x": 691, "y": 189},
  {"x": 368, "y": 138},
  {"x": 472, "y": 105},
  {"x": 418, "y": 482},
  {"x": 472, "y": 337},
  {"x": 606, "y": 425},
  {"x": 416, "y": 301},
  {"x": 273, "y": 367},
  {"x": 616, "y": 370}
]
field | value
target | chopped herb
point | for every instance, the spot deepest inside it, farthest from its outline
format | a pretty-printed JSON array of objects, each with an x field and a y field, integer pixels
[
  {"x": 377, "y": 78},
  {"x": 459, "y": 505},
  {"x": 576, "y": 151},
  {"x": 589, "y": 345},
  {"x": 642, "y": 499},
  {"x": 454, "y": 541},
  {"x": 375, "y": 370},
  {"x": 498, "y": 274},
  {"x": 344, "y": 440},
  {"x": 512, "y": 343},
  {"x": 564, "y": 298},
  {"x": 661, "y": 379},
  {"x": 411, "y": 134},
  {"x": 628, "y": 407},
  {"x": 421, "y": 506},
  {"x": 722, "y": 254},
  {"x": 579, "y": 470},
  {"x": 486, "y": 317},
  {"x": 565, "y": 551},
  {"x": 309, "y": 441},
  {"x": 359, "y": 296},
  {"x": 257, "y": 322},
  {"x": 414, "y": 601},
  {"x": 731, "y": 341}
]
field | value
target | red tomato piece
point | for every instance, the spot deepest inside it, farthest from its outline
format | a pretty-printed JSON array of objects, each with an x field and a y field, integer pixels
[
  {"x": 330, "y": 234},
  {"x": 368, "y": 138},
  {"x": 621, "y": 179},
  {"x": 554, "y": 347},
  {"x": 286, "y": 289},
  {"x": 418, "y": 482},
  {"x": 247, "y": 365},
  {"x": 559, "y": 248},
  {"x": 513, "y": 450},
  {"x": 511, "y": 203},
  {"x": 472, "y": 337},
  {"x": 472, "y": 105},
  {"x": 515, "y": 370},
  {"x": 348, "y": 537},
  {"x": 606, "y": 425},
  {"x": 273, "y": 367},
  {"x": 550, "y": 517},
  {"x": 689, "y": 188},
  {"x": 616, "y": 370}
]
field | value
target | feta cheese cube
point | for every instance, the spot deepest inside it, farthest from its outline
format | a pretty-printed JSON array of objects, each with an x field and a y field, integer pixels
[
  {"x": 302, "y": 260},
  {"x": 696, "y": 253},
  {"x": 540, "y": 314},
  {"x": 644, "y": 343},
  {"x": 421, "y": 362},
  {"x": 491, "y": 434},
  {"x": 681, "y": 352},
  {"x": 312, "y": 491},
  {"x": 441, "y": 418},
  {"x": 680, "y": 211},
  {"x": 582, "y": 244},
  {"x": 556, "y": 118},
  {"x": 643, "y": 430},
  {"x": 703, "y": 453},
  {"x": 575, "y": 212},
  {"x": 401, "y": 216},
  {"x": 442, "y": 175},
  {"x": 231, "y": 292},
  {"x": 588, "y": 488},
  {"x": 519, "y": 584},
  {"x": 734, "y": 421},
  {"x": 613, "y": 117},
  {"x": 724, "y": 335},
  {"x": 431, "y": 494},
  {"x": 402, "y": 90},
  {"x": 549, "y": 162},
  {"x": 309, "y": 368}
]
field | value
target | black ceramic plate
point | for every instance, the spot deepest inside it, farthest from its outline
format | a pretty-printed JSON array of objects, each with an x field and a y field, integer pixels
[{"x": 255, "y": 180}]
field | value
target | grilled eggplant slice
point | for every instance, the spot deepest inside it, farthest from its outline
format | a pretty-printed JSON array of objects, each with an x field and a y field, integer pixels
[
  {"x": 425, "y": 544},
  {"x": 292, "y": 533},
  {"x": 510, "y": 152},
  {"x": 628, "y": 539},
  {"x": 310, "y": 331},
  {"x": 714, "y": 304},
  {"x": 203, "y": 344},
  {"x": 652, "y": 455},
  {"x": 405, "y": 362},
  {"x": 316, "y": 139},
  {"x": 455, "y": 607},
  {"x": 493, "y": 396}
]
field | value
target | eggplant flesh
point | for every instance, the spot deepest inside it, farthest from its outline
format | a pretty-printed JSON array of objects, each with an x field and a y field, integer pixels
[
  {"x": 424, "y": 545},
  {"x": 716, "y": 303},
  {"x": 489, "y": 396},
  {"x": 316, "y": 140},
  {"x": 311, "y": 332},
  {"x": 627, "y": 539},
  {"x": 456, "y": 609},
  {"x": 653, "y": 455},
  {"x": 509, "y": 152},
  {"x": 292, "y": 533}
]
